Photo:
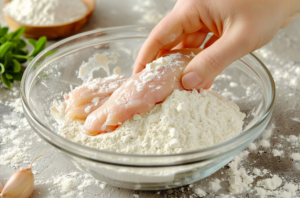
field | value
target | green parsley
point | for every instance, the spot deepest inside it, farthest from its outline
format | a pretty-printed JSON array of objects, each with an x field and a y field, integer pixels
[{"x": 13, "y": 54}]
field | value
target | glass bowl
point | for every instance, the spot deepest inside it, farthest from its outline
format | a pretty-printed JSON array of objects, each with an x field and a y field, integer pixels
[{"x": 53, "y": 73}]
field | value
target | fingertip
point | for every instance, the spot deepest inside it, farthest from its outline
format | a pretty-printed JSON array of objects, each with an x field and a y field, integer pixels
[
  {"x": 191, "y": 80},
  {"x": 209, "y": 84}
]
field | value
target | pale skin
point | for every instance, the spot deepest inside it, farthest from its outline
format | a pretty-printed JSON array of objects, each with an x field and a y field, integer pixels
[{"x": 238, "y": 26}]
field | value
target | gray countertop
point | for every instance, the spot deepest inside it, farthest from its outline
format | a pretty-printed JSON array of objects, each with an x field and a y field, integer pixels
[{"x": 19, "y": 144}]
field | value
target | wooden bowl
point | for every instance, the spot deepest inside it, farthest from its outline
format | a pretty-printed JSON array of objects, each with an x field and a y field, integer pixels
[{"x": 52, "y": 31}]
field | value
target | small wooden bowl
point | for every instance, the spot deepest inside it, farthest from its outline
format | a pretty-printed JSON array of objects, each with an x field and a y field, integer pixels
[{"x": 52, "y": 31}]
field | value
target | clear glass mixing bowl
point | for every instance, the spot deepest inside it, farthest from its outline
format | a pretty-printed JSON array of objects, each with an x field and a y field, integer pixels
[{"x": 247, "y": 82}]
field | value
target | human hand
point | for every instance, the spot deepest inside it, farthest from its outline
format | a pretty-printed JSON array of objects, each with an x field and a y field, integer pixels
[{"x": 239, "y": 27}]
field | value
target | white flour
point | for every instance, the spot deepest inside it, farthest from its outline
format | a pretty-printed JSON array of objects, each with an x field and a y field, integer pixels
[
  {"x": 277, "y": 153},
  {"x": 96, "y": 62},
  {"x": 295, "y": 156},
  {"x": 270, "y": 183},
  {"x": 200, "y": 192},
  {"x": 45, "y": 12},
  {"x": 203, "y": 120},
  {"x": 215, "y": 185}
]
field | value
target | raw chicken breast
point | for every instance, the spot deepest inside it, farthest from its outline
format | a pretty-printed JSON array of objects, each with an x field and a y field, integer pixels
[
  {"x": 141, "y": 92},
  {"x": 87, "y": 98}
]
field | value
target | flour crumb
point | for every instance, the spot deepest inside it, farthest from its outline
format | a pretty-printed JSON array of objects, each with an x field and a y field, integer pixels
[
  {"x": 65, "y": 183},
  {"x": 252, "y": 146},
  {"x": 295, "y": 156},
  {"x": 261, "y": 192},
  {"x": 136, "y": 195},
  {"x": 264, "y": 143},
  {"x": 292, "y": 188},
  {"x": 270, "y": 183},
  {"x": 200, "y": 192},
  {"x": 276, "y": 152},
  {"x": 268, "y": 132},
  {"x": 162, "y": 61},
  {"x": 256, "y": 171},
  {"x": 88, "y": 109},
  {"x": 239, "y": 180},
  {"x": 117, "y": 71},
  {"x": 293, "y": 138},
  {"x": 96, "y": 62},
  {"x": 95, "y": 100},
  {"x": 103, "y": 186},
  {"x": 215, "y": 185},
  {"x": 286, "y": 195}
]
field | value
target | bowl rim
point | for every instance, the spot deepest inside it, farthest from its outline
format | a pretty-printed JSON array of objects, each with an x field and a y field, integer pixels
[
  {"x": 89, "y": 12},
  {"x": 68, "y": 144}
]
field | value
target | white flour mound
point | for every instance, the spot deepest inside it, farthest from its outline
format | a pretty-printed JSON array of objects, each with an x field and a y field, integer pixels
[
  {"x": 184, "y": 121},
  {"x": 45, "y": 12}
]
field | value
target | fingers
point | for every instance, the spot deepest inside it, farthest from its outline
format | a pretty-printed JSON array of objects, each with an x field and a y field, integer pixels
[
  {"x": 209, "y": 63},
  {"x": 193, "y": 40},
  {"x": 210, "y": 41},
  {"x": 168, "y": 33}
]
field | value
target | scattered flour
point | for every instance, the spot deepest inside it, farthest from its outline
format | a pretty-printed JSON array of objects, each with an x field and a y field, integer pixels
[
  {"x": 215, "y": 185},
  {"x": 45, "y": 12},
  {"x": 96, "y": 62},
  {"x": 206, "y": 121},
  {"x": 65, "y": 183},
  {"x": 295, "y": 156},
  {"x": 292, "y": 188},
  {"x": 252, "y": 146},
  {"x": 293, "y": 138},
  {"x": 264, "y": 143},
  {"x": 151, "y": 70},
  {"x": 277, "y": 153},
  {"x": 256, "y": 171},
  {"x": 136, "y": 196},
  {"x": 103, "y": 186},
  {"x": 268, "y": 131},
  {"x": 200, "y": 192},
  {"x": 69, "y": 185},
  {"x": 239, "y": 180},
  {"x": 270, "y": 183},
  {"x": 286, "y": 194}
]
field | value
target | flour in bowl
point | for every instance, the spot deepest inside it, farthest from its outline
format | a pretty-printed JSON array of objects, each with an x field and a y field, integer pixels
[
  {"x": 45, "y": 12},
  {"x": 185, "y": 121}
]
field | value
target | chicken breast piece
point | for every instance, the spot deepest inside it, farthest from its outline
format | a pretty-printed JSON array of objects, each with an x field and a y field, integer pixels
[
  {"x": 141, "y": 92},
  {"x": 85, "y": 99}
]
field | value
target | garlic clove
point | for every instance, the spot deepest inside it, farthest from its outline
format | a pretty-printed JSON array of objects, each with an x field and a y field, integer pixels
[{"x": 19, "y": 185}]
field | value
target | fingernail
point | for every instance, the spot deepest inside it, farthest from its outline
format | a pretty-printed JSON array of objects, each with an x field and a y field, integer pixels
[
  {"x": 191, "y": 80},
  {"x": 201, "y": 86}
]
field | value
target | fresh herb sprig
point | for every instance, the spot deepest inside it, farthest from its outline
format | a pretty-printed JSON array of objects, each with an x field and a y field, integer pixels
[{"x": 13, "y": 54}]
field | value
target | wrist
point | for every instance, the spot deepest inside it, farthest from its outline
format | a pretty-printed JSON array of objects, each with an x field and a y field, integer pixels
[{"x": 294, "y": 8}]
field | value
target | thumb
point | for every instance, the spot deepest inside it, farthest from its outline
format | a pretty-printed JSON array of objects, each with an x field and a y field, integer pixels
[{"x": 209, "y": 63}]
